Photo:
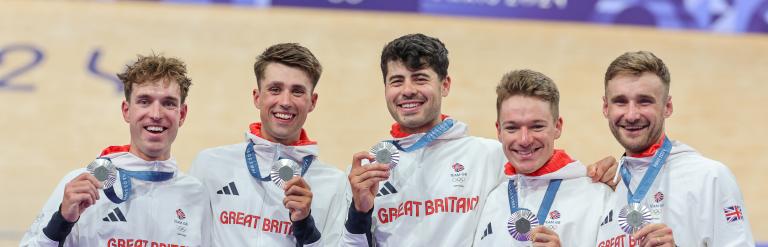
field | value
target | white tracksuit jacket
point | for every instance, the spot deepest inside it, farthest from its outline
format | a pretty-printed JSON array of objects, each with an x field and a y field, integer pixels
[
  {"x": 691, "y": 195},
  {"x": 575, "y": 213},
  {"x": 170, "y": 213},
  {"x": 250, "y": 212},
  {"x": 434, "y": 195}
]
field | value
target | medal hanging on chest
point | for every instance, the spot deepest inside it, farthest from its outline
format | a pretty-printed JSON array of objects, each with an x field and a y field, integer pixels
[
  {"x": 635, "y": 215},
  {"x": 523, "y": 221}
]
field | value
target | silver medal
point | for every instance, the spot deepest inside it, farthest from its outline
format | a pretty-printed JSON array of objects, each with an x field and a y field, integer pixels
[
  {"x": 633, "y": 217},
  {"x": 104, "y": 171},
  {"x": 284, "y": 170},
  {"x": 521, "y": 223},
  {"x": 386, "y": 153}
]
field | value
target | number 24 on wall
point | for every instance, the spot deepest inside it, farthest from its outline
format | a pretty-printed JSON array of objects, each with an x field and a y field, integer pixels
[{"x": 9, "y": 74}]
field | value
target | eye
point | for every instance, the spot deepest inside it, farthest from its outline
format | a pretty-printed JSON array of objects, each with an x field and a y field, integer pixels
[
  {"x": 646, "y": 102},
  {"x": 298, "y": 92},
  {"x": 619, "y": 101},
  {"x": 273, "y": 90},
  {"x": 511, "y": 128},
  {"x": 171, "y": 104},
  {"x": 396, "y": 83},
  {"x": 142, "y": 101}
]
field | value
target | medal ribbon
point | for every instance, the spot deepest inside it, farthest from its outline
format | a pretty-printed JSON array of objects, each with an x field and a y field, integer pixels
[
  {"x": 546, "y": 203},
  {"x": 428, "y": 137},
  {"x": 125, "y": 182},
  {"x": 253, "y": 164},
  {"x": 653, "y": 170}
]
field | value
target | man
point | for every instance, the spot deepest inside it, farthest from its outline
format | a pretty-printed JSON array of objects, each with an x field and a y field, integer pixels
[
  {"x": 158, "y": 205},
  {"x": 443, "y": 176},
  {"x": 544, "y": 184},
  {"x": 253, "y": 205},
  {"x": 670, "y": 195}
]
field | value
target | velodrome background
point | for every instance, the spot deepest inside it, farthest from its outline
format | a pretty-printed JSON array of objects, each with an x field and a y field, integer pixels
[{"x": 60, "y": 105}]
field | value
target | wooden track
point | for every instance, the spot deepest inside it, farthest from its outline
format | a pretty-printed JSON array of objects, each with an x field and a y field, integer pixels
[{"x": 718, "y": 84}]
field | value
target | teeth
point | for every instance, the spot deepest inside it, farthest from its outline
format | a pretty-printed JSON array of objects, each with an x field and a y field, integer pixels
[
  {"x": 410, "y": 105},
  {"x": 155, "y": 128},
  {"x": 283, "y": 116}
]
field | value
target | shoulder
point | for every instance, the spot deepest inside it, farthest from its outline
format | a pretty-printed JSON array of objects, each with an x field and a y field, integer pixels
[
  {"x": 225, "y": 150},
  {"x": 686, "y": 160},
  {"x": 219, "y": 155}
]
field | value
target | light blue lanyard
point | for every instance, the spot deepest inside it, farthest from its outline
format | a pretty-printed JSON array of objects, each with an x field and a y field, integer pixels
[
  {"x": 253, "y": 164},
  {"x": 428, "y": 137},
  {"x": 645, "y": 184},
  {"x": 125, "y": 182},
  {"x": 546, "y": 203}
]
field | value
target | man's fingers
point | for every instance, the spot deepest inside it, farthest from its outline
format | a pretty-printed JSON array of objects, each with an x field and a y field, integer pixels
[
  {"x": 296, "y": 181},
  {"x": 370, "y": 175},
  {"x": 298, "y": 191},
  {"x": 358, "y": 157}
]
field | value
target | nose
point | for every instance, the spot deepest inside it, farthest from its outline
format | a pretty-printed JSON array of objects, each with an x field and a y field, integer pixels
[
  {"x": 525, "y": 137},
  {"x": 284, "y": 99},
  {"x": 154, "y": 111},
  {"x": 409, "y": 89},
  {"x": 633, "y": 112}
]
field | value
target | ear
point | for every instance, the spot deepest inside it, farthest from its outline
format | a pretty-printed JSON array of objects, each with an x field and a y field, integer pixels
[
  {"x": 668, "y": 107},
  {"x": 183, "y": 114},
  {"x": 558, "y": 127},
  {"x": 124, "y": 109},
  {"x": 314, "y": 102},
  {"x": 256, "y": 98},
  {"x": 605, "y": 107},
  {"x": 446, "y": 83}
]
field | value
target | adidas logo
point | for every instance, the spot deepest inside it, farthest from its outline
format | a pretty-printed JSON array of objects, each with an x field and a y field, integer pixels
[
  {"x": 228, "y": 189},
  {"x": 386, "y": 189},
  {"x": 115, "y": 216},
  {"x": 488, "y": 231},
  {"x": 608, "y": 218}
]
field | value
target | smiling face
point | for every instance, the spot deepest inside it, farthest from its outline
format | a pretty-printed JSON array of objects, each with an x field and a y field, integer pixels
[
  {"x": 414, "y": 96},
  {"x": 154, "y": 113},
  {"x": 527, "y": 130},
  {"x": 636, "y": 107},
  {"x": 284, "y": 98}
]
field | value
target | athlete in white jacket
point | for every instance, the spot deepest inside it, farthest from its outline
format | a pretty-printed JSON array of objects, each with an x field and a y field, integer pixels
[
  {"x": 252, "y": 204},
  {"x": 151, "y": 203},
  {"x": 250, "y": 212},
  {"x": 544, "y": 185},
  {"x": 669, "y": 194}
]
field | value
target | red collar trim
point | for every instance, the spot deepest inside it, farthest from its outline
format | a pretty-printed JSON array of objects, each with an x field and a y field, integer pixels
[
  {"x": 397, "y": 132},
  {"x": 558, "y": 160},
  {"x": 115, "y": 149},
  {"x": 302, "y": 141},
  {"x": 651, "y": 151}
]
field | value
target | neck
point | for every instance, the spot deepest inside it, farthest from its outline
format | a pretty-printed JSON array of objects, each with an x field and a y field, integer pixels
[
  {"x": 149, "y": 157},
  {"x": 650, "y": 150}
]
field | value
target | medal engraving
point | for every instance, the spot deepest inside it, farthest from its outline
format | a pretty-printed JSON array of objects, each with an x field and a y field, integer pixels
[
  {"x": 386, "y": 153},
  {"x": 633, "y": 217},
  {"x": 521, "y": 223},
  {"x": 104, "y": 171},
  {"x": 284, "y": 170}
]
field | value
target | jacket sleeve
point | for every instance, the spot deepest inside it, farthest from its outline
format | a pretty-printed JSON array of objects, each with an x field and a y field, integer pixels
[
  {"x": 358, "y": 228},
  {"x": 36, "y": 235},
  {"x": 731, "y": 225}
]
